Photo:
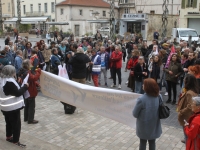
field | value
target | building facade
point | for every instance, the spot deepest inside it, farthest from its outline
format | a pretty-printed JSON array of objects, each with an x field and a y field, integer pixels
[
  {"x": 7, "y": 11},
  {"x": 190, "y": 14},
  {"x": 84, "y": 17},
  {"x": 37, "y": 12}
]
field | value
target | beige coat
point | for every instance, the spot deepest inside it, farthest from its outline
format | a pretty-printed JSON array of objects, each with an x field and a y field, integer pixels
[
  {"x": 47, "y": 54},
  {"x": 184, "y": 107}
]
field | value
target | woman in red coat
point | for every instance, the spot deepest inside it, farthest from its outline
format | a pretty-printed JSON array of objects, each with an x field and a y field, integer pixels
[
  {"x": 130, "y": 66},
  {"x": 192, "y": 129}
]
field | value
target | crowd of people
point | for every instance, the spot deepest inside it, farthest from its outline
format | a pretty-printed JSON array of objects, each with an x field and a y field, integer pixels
[{"x": 151, "y": 67}]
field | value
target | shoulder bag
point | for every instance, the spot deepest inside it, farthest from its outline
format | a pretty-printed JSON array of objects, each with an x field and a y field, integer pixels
[{"x": 164, "y": 111}]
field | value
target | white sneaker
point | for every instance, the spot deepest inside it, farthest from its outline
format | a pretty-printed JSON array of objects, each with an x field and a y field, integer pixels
[
  {"x": 119, "y": 86},
  {"x": 89, "y": 82},
  {"x": 113, "y": 86},
  {"x": 126, "y": 82},
  {"x": 166, "y": 93}
]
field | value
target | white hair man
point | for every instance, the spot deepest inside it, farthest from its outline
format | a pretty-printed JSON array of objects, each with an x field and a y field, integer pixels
[{"x": 104, "y": 64}]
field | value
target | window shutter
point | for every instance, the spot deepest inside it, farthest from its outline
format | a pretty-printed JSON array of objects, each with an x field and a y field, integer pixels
[
  {"x": 183, "y": 4},
  {"x": 194, "y": 4}
]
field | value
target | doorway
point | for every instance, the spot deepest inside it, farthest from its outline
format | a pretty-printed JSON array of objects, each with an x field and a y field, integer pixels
[
  {"x": 134, "y": 27},
  {"x": 77, "y": 27}
]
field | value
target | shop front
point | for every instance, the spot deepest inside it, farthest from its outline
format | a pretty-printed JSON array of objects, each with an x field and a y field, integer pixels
[{"x": 134, "y": 24}]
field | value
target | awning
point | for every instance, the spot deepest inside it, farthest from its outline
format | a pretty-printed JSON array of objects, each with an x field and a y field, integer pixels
[
  {"x": 57, "y": 23},
  {"x": 98, "y": 21},
  {"x": 192, "y": 16},
  {"x": 27, "y": 20}
]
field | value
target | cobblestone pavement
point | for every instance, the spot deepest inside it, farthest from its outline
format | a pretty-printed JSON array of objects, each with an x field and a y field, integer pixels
[
  {"x": 85, "y": 130},
  {"x": 82, "y": 131}
]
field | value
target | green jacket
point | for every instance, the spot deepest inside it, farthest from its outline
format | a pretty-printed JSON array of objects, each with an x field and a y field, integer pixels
[
  {"x": 3, "y": 60},
  {"x": 177, "y": 70}
]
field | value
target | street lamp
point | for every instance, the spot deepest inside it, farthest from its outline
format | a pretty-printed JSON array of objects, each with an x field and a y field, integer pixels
[{"x": 1, "y": 19}]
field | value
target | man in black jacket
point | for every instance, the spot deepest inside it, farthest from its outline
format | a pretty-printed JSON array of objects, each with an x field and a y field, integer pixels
[{"x": 78, "y": 62}]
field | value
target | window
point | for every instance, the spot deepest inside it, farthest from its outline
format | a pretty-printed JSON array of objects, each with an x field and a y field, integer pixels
[
  {"x": 152, "y": 12},
  {"x": 39, "y": 7},
  {"x": 123, "y": 1},
  {"x": 31, "y": 8},
  {"x": 104, "y": 13},
  {"x": 139, "y": 11},
  {"x": 24, "y": 9},
  {"x": 91, "y": 11},
  {"x": 192, "y": 3},
  {"x": 52, "y": 7},
  {"x": 45, "y": 7},
  {"x": 81, "y": 12},
  {"x": 126, "y": 10},
  {"x": 61, "y": 11},
  {"x": 8, "y": 7}
]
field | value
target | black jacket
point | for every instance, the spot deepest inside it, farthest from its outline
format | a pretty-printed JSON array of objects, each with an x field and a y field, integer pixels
[
  {"x": 11, "y": 89},
  {"x": 78, "y": 62},
  {"x": 155, "y": 74},
  {"x": 138, "y": 72},
  {"x": 189, "y": 63}
]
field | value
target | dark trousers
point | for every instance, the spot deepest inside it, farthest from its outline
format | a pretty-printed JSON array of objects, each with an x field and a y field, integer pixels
[
  {"x": 143, "y": 144},
  {"x": 171, "y": 86},
  {"x": 47, "y": 66},
  {"x": 119, "y": 74},
  {"x": 29, "y": 110},
  {"x": 56, "y": 37},
  {"x": 111, "y": 72},
  {"x": 13, "y": 124},
  {"x": 88, "y": 75},
  {"x": 49, "y": 41}
]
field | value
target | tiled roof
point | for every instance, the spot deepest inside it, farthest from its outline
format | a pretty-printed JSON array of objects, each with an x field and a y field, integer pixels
[{"x": 86, "y": 3}]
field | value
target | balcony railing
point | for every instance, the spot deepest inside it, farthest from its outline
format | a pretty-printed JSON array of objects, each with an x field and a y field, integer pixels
[{"x": 34, "y": 14}]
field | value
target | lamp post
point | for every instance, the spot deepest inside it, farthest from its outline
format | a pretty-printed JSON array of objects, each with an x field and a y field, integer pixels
[{"x": 95, "y": 15}]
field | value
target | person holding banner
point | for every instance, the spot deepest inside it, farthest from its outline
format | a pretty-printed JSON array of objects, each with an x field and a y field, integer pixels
[
  {"x": 29, "y": 110},
  {"x": 148, "y": 125},
  {"x": 11, "y": 102},
  {"x": 96, "y": 67}
]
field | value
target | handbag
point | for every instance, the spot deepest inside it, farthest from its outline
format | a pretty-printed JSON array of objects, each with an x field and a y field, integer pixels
[
  {"x": 62, "y": 71},
  {"x": 164, "y": 111}
]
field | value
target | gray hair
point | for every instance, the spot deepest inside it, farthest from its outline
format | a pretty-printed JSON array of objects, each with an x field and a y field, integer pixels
[
  {"x": 178, "y": 47},
  {"x": 26, "y": 64},
  {"x": 8, "y": 71},
  {"x": 196, "y": 100},
  {"x": 80, "y": 50}
]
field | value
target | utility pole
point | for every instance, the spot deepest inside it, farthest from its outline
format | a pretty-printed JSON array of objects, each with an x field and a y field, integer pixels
[
  {"x": 18, "y": 13},
  {"x": 112, "y": 20},
  {"x": 164, "y": 18},
  {"x": 1, "y": 19}
]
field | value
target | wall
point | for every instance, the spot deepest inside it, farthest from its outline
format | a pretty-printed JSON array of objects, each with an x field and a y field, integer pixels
[
  {"x": 155, "y": 23},
  {"x": 72, "y": 16}
]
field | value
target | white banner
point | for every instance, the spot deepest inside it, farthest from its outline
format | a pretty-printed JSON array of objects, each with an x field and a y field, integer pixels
[{"x": 114, "y": 104}]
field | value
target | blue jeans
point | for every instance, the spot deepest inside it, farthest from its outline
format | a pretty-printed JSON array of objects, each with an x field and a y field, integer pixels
[
  {"x": 165, "y": 82},
  {"x": 138, "y": 87}
]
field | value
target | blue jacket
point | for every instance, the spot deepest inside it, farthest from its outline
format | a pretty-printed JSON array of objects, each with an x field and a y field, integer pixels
[
  {"x": 148, "y": 124},
  {"x": 107, "y": 58},
  {"x": 55, "y": 61},
  {"x": 18, "y": 63},
  {"x": 10, "y": 57},
  {"x": 98, "y": 62},
  {"x": 3, "y": 60}
]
